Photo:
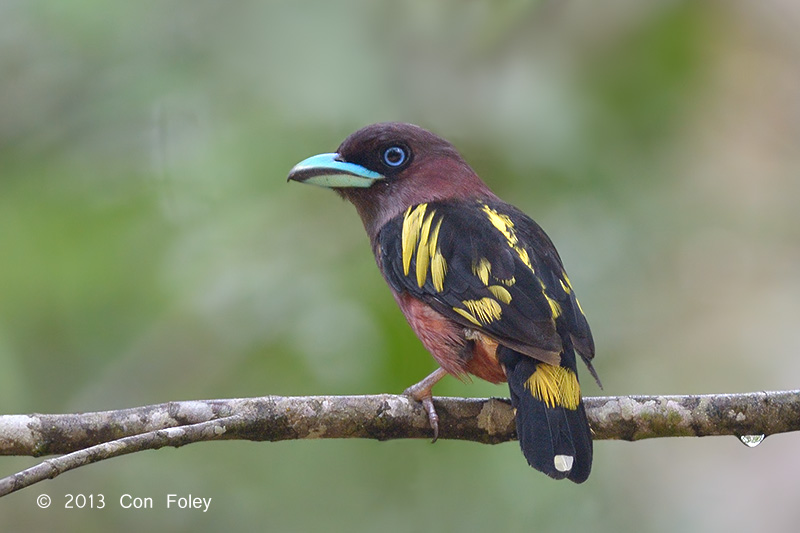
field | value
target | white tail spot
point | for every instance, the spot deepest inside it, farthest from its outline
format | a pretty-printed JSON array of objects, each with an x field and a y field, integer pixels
[{"x": 563, "y": 463}]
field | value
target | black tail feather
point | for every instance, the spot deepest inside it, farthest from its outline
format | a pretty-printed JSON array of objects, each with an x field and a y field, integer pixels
[{"x": 555, "y": 439}]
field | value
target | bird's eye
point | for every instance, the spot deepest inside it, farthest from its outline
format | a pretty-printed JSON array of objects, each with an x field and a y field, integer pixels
[{"x": 394, "y": 156}]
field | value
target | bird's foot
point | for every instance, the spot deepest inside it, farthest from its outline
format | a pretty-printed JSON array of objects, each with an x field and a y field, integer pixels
[
  {"x": 421, "y": 392},
  {"x": 427, "y": 403}
]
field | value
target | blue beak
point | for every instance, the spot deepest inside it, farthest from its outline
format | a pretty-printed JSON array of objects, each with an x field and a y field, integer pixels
[{"x": 326, "y": 170}]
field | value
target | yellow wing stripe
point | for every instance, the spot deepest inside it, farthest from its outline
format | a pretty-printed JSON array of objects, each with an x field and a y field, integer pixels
[
  {"x": 501, "y": 293},
  {"x": 555, "y": 307},
  {"x": 412, "y": 220},
  {"x": 419, "y": 235},
  {"x": 505, "y": 225},
  {"x": 556, "y": 386},
  {"x": 467, "y": 315},
  {"x": 565, "y": 285},
  {"x": 484, "y": 310},
  {"x": 482, "y": 268},
  {"x": 438, "y": 270},
  {"x": 438, "y": 262},
  {"x": 433, "y": 242},
  {"x": 523, "y": 255},
  {"x": 423, "y": 251}
]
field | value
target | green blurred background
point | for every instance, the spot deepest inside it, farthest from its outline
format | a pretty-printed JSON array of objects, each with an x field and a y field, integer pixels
[{"x": 152, "y": 250}]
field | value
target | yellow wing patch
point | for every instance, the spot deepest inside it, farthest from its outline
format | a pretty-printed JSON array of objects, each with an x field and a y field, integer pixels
[
  {"x": 480, "y": 312},
  {"x": 438, "y": 270},
  {"x": 555, "y": 307},
  {"x": 467, "y": 315},
  {"x": 565, "y": 284},
  {"x": 556, "y": 386},
  {"x": 412, "y": 220},
  {"x": 501, "y": 293},
  {"x": 485, "y": 310},
  {"x": 505, "y": 225},
  {"x": 423, "y": 251},
  {"x": 421, "y": 236},
  {"x": 482, "y": 268}
]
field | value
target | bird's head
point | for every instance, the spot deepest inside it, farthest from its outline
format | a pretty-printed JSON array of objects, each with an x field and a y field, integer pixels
[{"x": 384, "y": 168}]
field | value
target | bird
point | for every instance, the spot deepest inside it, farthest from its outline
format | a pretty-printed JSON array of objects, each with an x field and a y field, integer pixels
[{"x": 479, "y": 282}]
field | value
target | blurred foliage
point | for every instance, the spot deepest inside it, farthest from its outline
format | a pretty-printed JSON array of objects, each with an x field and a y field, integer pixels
[{"x": 152, "y": 250}]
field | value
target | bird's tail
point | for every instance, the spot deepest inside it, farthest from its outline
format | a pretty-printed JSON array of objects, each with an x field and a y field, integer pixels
[{"x": 551, "y": 421}]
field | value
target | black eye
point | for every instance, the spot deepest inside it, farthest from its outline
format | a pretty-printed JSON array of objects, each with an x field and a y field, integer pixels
[{"x": 394, "y": 156}]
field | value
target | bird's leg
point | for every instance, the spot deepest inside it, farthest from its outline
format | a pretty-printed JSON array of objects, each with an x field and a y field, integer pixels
[{"x": 422, "y": 393}]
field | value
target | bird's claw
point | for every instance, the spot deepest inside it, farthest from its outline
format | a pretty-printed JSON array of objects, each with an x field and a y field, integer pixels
[
  {"x": 426, "y": 399},
  {"x": 421, "y": 392},
  {"x": 433, "y": 418}
]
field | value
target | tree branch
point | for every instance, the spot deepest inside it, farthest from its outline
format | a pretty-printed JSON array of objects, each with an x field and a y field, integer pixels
[{"x": 90, "y": 437}]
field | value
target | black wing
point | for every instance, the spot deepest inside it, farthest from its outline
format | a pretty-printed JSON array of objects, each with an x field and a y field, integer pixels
[{"x": 487, "y": 266}]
